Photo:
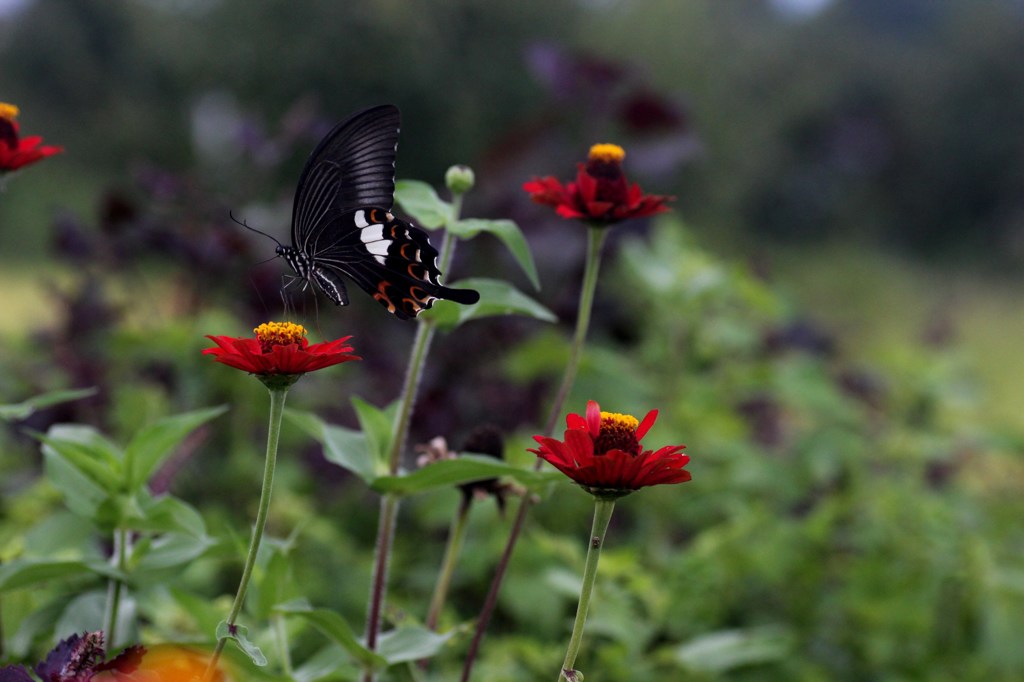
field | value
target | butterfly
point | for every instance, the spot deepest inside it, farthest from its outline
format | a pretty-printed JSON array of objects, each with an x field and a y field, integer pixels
[{"x": 342, "y": 222}]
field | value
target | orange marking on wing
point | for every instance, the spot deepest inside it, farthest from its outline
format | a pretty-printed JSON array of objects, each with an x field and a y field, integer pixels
[
  {"x": 386, "y": 301},
  {"x": 412, "y": 306}
]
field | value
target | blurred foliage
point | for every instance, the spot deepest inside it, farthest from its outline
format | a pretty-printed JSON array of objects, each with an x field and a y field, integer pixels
[
  {"x": 843, "y": 522},
  {"x": 898, "y": 122},
  {"x": 855, "y": 512}
]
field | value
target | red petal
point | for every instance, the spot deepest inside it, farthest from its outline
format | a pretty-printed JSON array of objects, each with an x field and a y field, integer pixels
[
  {"x": 646, "y": 424},
  {"x": 548, "y": 191},
  {"x": 599, "y": 209},
  {"x": 594, "y": 418},
  {"x": 567, "y": 211},
  {"x": 586, "y": 186},
  {"x": 580, "y": 446},
  {"x": 554, "y": 451},
  {"x": 574, "y": 421}
]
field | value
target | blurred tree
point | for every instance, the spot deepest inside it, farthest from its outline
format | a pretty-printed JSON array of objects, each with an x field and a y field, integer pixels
[{"x": 895, "y": 121}]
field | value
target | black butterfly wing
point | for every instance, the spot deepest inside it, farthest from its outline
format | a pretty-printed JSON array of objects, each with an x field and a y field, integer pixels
[
  {"x": 352, "y": 167},
  {"x": 390, "y": 260}
]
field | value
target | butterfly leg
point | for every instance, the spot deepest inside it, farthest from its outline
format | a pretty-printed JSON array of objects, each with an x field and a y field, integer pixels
[{"x": 287, "y": 281}]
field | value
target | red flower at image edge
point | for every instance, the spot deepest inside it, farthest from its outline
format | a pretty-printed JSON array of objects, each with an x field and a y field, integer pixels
[
  {"x": 601, "y": 193},
  {"x": 280, "y": 348},
  {"x": 602, "y": 453},
  {"x": 16, "y": 151}
]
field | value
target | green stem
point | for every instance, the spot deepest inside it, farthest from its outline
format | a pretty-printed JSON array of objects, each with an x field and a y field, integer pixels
[
  {"x": 595, "y": 242},
  {"x": 1, "y": 604},
  {"x": 115, "y": 587},
  {"x": 456, "y": 536},
  {"x": 602, "y": 514},
  {"x": 277, "y": 399},
  {"x": 400, "y": 430}
]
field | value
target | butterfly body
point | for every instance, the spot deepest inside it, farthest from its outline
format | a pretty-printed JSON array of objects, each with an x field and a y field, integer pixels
[{"x": 342, "y": 222}]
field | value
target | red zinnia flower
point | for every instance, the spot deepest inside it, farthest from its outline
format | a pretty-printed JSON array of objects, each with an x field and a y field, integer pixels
[
  {"x": 602, "y": 453},
  {"x": 601, "y": 193},
  {"x": 15, "y": 151},
  {"x": 279, "y": 349}
]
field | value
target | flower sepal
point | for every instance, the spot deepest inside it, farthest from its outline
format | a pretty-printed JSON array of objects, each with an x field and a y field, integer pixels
[
  {"x": 278, "y": 382},
  {"x": 610, "y": 494}
]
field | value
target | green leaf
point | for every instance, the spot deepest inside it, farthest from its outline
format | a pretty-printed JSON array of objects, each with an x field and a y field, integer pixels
[
  {"x": 335, "y": 628},
  {"x": 329, "y": 664},
  {"x": 164, "y": 514},
  {"x": 719, "y": 652},
  {"x": 497, "y": 297},
  {"x": 205, "y": 613},
  {"x": 411, "y": 644},
  {"x": 509, "y": 233},
  {"x": 155, "y": 442},
  {"x": 307, "y": 421},
  {"x": 25, "y": 409},
  {"x": 376, "y": 426},
  {"x": 37, "y": 625},
  {"x": 420, "y": 201},
  {"x": 464, "y": 469},
  {"x": 86, "y": 450},
  {"x": 273, "y": 586},
  {"x": 345, "y": 447},
  {"x": 85, "y": 612},
  {"x": 240, "y": 635},
  {"x": 82, "y": 495},
  {"x": 169, "y": 551},
  {"x": 26, "y": 572}
]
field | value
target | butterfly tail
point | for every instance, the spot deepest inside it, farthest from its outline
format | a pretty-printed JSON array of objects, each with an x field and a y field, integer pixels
[{"x": 463, "y": 296}]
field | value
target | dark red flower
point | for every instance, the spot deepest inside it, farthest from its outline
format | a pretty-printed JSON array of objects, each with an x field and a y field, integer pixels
[
  {"x": 16, "y": 151},
  {"x": 601, "y": 193},
  {"x": 280, "y": 348},
  {"x": 602, "y": 453}
]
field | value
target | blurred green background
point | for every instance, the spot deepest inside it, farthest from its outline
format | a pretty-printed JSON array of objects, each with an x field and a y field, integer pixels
[{"x": 830, "y": 318}]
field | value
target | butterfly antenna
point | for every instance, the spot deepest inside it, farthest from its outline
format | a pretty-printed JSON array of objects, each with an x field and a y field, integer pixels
[{"x": 253, "y": 229}]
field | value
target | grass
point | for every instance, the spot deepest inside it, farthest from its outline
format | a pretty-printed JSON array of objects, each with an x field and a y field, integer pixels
[
  {"x": 28, "y": 301},
  {"x": 882, "y": 306},
  {"x": 32, "y": 290}
]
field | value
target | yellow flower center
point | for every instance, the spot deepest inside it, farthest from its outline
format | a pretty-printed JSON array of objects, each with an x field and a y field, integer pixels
[
  {"x": 8, "y": 112},
  {"x": 272, "y": 334},
  {"x": 618, "y": 432},
  {"x": 607, "y": 153}
]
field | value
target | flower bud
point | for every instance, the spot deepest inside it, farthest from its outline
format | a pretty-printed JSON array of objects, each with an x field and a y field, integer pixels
[{"x": 459, "y": 179}]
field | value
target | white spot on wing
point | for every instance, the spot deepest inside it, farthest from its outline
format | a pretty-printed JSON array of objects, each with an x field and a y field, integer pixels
[
  {"x": 373, "y": 239},
  {"x": 361, "y": 220},
  {"x": 373, "y": 233}
]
